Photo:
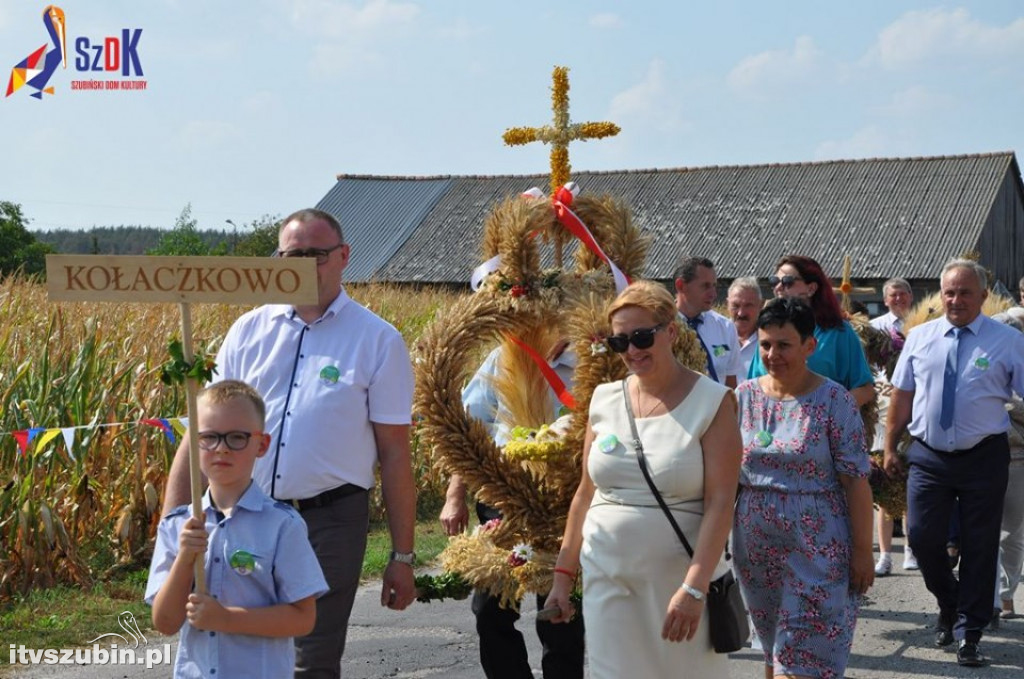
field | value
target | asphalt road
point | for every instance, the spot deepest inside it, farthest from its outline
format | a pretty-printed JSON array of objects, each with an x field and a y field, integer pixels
[{"x": 893, "y": 639}]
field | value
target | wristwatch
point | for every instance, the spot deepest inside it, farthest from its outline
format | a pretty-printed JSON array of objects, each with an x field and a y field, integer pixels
[{"x": 404, "y": 557}]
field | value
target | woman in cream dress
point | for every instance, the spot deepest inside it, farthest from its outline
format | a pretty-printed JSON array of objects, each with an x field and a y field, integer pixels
[{"x": 644, "y": 596}]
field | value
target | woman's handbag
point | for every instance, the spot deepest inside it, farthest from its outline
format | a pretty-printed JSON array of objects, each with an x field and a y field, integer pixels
[{"x": 727, "y": 615}]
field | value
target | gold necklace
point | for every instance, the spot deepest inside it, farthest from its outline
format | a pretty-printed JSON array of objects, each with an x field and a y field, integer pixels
[{"x": 639, "y": 405}]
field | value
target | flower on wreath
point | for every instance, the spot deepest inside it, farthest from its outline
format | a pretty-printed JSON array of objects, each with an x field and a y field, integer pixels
[
  {"x": 537, "y": 445},
  {"x": 520, "y": 555}
]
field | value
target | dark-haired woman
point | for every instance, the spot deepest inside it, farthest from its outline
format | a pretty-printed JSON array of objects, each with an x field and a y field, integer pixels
[
  {"x": 803, "y": 524},
  {"x": 839, "y": 355}
]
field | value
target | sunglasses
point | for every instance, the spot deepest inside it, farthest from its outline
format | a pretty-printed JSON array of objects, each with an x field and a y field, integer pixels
[
  {"x": 234, "y": 440},
  {"x": 787, "y": 281},
  {"x": 641, "y": 338},
  {"x": 321, "y": 254}
]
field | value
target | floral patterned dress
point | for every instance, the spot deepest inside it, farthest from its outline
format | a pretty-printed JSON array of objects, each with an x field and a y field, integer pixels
[{"x": 791, "y": 535}]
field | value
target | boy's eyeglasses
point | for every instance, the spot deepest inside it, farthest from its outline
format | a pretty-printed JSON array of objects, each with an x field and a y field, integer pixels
[
  {"x": 234, "y": 440},
  {"x": 321, "y": 254},
  {"x": 787, "y": 281},
  {"x": 641, "y": 338}
]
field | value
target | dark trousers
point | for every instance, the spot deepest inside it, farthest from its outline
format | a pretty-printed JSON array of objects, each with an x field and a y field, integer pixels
[
  {"x": 977, "y": 478},
  {"x": 502, "y": 648},
  {"x": 337, "y": 533}
]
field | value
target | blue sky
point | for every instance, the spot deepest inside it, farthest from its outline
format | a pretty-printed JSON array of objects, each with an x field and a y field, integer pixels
[{"x": 253, "y": 108}]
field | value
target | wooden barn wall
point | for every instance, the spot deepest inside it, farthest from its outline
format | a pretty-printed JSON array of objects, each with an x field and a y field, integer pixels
[{"x": 1001, "y": 244}]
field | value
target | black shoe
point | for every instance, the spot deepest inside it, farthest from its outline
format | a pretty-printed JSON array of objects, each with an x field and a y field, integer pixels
[
  {"x": 943, "y": 635},
  {"x": 968, "y": 655}
]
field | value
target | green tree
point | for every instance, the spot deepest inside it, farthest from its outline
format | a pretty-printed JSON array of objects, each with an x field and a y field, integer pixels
[
  {"x": 185, "y": 240},
  {"x": 19, "y": 249},
  {"x": 261, "y": 241}
]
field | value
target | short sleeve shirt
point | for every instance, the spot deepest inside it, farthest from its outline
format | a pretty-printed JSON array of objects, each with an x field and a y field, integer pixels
[
  {"x": 325, "y": 383},
  {"x": 990, "y": 367},
  {"x": 720, "y": 337},
  {"x": 259, "y": 556}
]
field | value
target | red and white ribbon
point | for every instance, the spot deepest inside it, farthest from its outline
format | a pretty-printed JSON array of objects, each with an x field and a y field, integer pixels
[{"x": 562, "y": 200}]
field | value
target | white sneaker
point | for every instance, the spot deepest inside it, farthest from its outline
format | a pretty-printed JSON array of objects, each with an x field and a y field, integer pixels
[
  {"x": 884, "y": 565},
  {"x": 909, "y": 560}
]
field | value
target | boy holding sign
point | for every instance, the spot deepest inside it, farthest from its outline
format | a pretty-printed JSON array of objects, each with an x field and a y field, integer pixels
[{"x": 263, "y": 576}]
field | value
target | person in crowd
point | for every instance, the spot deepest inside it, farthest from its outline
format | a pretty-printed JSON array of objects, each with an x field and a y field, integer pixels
[
  {"x": 802, "y": 532},
  {"x": 338, "y": 384},
  {"x": 839, "y": 355},
  {"x": 1020, "y": 291},
  {"x": 263, "y": 576},
  {"x": 696, "y": 292},
  {"x": 644, "y": 595},
  {"x": 951, "y": 385},
  {"x": 502, "y": 648},
  {"x": 743, "y": 301},
  {"x": 898, "y": 297},
  {"x": 1011, "y": 541}
]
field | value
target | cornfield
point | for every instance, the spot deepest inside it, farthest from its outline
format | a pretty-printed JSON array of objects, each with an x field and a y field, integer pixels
[{"x": 71, "y": 515}]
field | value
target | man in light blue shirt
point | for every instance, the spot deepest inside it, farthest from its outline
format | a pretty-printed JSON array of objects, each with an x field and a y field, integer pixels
[{"x": 951, "y": 383}]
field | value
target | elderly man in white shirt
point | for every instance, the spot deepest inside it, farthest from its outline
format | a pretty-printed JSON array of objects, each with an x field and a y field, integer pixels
[
  {"x": 951, "y": 385},
  {"x": 696, "y": 292},
  {"x": 744, "y": 302}
]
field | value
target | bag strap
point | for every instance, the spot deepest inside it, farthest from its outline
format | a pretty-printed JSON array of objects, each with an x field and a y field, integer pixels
[{"x": 647, "y": 475}]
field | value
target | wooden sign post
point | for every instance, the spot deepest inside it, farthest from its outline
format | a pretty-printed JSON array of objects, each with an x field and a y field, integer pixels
[{"x": 185, "y": 280}]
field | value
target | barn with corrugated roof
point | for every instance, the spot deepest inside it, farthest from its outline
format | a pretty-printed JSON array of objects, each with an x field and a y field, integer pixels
[{"x": 893, "y": 216}]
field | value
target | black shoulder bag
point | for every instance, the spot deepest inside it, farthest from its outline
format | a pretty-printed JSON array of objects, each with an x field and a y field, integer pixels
[{"x": 727, "y": 616}]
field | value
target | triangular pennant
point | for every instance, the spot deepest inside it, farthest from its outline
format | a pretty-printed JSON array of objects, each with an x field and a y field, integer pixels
[
  {"x": 47, "y": 436},
  {"x": 21, "y": 436},
  {"x": 164, "y": 425},
  {"x": 69, "y": 440},
  {"x": 33, "y": 432},
  {"x": 180, "y": 425}
]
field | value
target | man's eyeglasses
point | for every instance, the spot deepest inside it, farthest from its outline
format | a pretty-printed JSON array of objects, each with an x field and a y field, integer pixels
[
  {"x": 321, "y": 254},
  {"x": 641, "y": 338},
  {"x": 787, "y": 281},
  {"x": 234, "y": 440}
]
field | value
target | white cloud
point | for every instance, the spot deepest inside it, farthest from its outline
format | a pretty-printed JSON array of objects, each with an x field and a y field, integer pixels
[
  {"x": 207, "y": 133},
  {"x": 648, "y": 103},
  {"x": 915, "y": 102},
  {"x": 776, "y": 71},
  {"x": 924, "y": 35},
  {"x": 605, "y": 20},
  {"x": 867, "y": 142}
]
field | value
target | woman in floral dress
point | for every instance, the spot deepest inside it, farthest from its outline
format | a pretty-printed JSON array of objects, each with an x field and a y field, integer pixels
[{"x": 803, "y": 524}]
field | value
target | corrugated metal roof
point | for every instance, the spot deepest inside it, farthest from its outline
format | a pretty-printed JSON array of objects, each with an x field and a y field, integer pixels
[
  {"x": 376, "y": 225},
  {"x": 902, "y": 216}
]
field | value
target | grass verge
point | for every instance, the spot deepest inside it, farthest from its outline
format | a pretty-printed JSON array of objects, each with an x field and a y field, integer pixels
[{"x": 66, "y": 617}]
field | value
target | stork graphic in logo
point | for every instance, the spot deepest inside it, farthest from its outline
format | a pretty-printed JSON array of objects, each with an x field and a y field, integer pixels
[
  {"x": 36, "y": 69},
  {"x": 127, "y": 622}
]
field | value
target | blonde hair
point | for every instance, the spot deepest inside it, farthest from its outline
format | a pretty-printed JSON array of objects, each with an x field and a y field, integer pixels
[
  {"x": 219, "y": 393},
  {"x": 647, "y": 295}
]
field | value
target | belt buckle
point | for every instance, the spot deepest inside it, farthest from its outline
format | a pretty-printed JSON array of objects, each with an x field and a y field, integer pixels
[{"x": 295, "y": 503}]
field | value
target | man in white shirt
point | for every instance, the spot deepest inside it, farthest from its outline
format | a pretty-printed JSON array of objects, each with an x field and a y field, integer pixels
[
  {"x": 696, "y": 292},
  {"x": 744, "y": 302},
  {"x": 951, "y": 385},
  {"x": 338, "y": 385},
  {"x": 898, "y": 298}
]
